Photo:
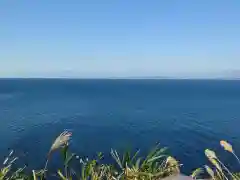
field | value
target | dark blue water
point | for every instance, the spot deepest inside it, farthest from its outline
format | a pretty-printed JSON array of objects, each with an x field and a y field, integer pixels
[{"x": 185, "y": 115}]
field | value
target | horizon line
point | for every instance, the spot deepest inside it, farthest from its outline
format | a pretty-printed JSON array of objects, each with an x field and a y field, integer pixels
[{"x": 121, "y": 78}]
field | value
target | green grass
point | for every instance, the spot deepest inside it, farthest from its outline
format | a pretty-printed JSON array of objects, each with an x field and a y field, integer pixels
[{"x": 130, "y": 166}]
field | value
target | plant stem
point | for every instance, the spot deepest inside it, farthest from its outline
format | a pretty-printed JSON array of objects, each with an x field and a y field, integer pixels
[
  {"x": 221, "y": 175},
  {"x": 46, "y": 164},
  {"x": 236, "y": 157},
  {"x": 44, "y": 170},
  {"x": 65, "y": 169},
  {"x": 225, "y": 168}
]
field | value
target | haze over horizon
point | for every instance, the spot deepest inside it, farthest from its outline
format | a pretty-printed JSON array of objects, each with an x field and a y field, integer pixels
[{"x": 102, "y": 39}]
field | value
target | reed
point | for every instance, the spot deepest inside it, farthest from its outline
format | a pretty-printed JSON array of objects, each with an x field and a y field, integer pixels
[{"x": 128, "y": 166}]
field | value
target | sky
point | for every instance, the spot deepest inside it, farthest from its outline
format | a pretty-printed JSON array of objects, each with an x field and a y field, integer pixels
[{"x": 119, "y": 38}]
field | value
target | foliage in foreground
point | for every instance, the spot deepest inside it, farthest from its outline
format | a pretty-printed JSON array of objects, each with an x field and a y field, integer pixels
[{"x": 156, "y": 165}]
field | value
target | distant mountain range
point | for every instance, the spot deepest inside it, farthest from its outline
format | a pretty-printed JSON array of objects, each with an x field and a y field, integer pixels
[
  {"x": 233, "y": 74},
  {"x": 225, "y": 75}
]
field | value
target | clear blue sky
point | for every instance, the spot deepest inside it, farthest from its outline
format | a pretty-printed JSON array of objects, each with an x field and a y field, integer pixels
[{"x": 118, "y": 38}]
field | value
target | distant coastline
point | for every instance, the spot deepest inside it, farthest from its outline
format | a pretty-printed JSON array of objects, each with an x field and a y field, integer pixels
[{"x": 122, "y": 78}]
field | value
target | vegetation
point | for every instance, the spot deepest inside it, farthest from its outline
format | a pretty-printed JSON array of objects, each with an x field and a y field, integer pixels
[{"x": 156, "y": 165}]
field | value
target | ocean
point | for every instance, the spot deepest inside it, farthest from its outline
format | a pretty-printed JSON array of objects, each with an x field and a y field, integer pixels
[{"x": 187, "y": 116}]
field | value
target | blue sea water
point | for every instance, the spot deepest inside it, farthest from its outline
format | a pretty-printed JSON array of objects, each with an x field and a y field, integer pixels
[{"x": 186, "y": 116}]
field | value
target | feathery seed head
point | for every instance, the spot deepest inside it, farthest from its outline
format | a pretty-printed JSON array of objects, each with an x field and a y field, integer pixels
[
  {"x": 210, "y": 154},
  {"x": 61, "y": 140},
  {"x": 226, "y": 146},
  {"x": 209, "y": 171}
]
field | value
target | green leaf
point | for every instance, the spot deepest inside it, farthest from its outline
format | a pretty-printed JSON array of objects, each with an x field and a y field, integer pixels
[
  {"x": 100, "y": 155},
  {"x": 153, "y": 151},
  {"x": 196, "y": 173},
  {"x": 61, "y": 175},
  {"x": 135, "y": 156},
  {"x": 155, "y": 158},
  {"x": 115, "y": 156},
  {"x": 64, "y": 152},
  {"x": 34, "y": 175},
  {"x": 126, "y": 158},
  {"x": 137, "y": 164},
  {"x": 69, "y": 158}
]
